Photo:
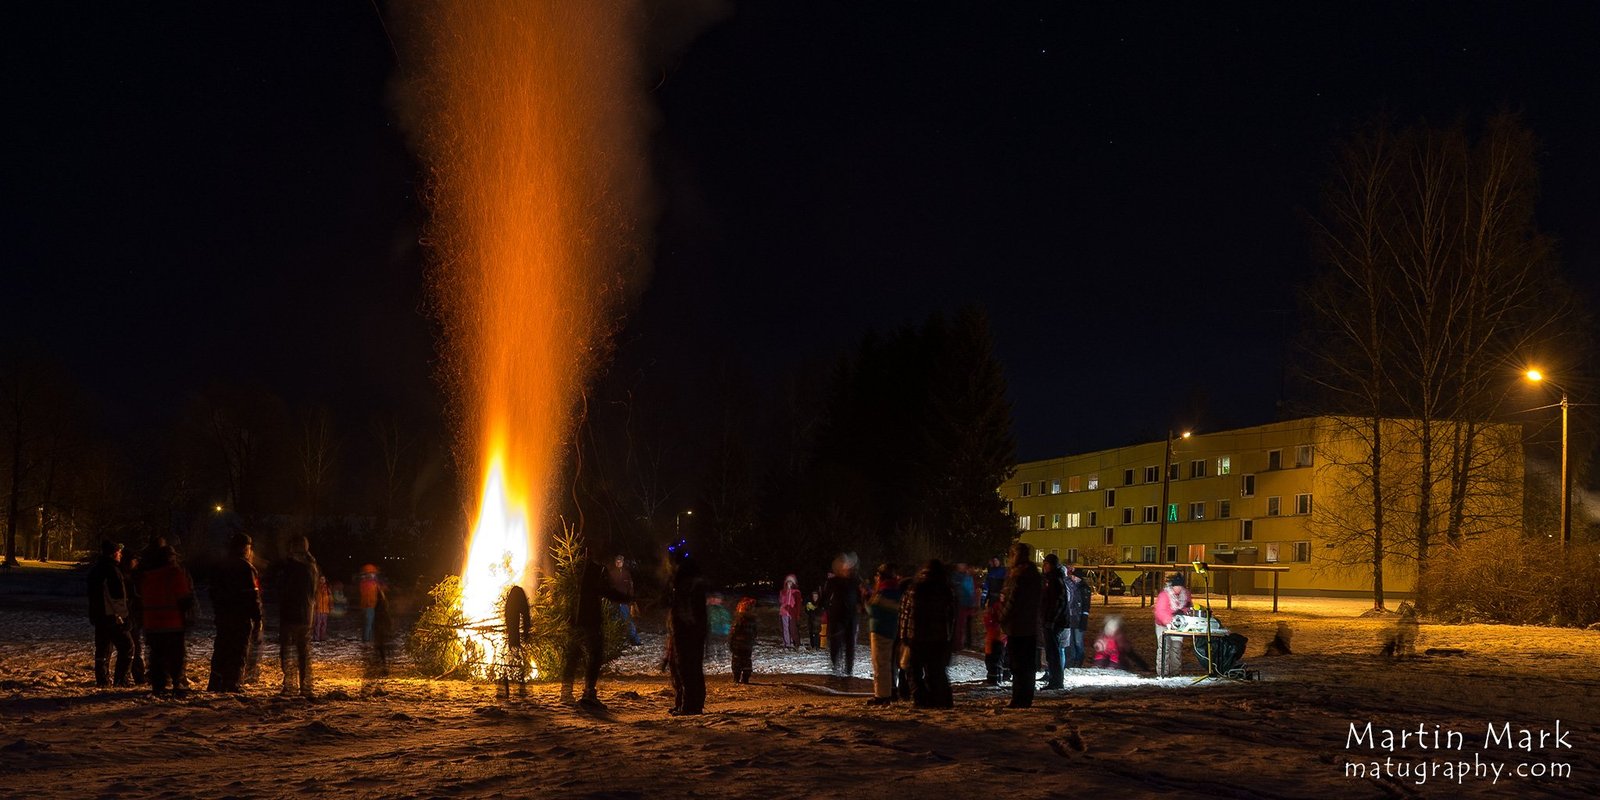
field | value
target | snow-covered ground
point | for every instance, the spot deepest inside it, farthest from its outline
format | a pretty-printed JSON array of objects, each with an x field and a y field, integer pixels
[{"x": 797, "y": 732}]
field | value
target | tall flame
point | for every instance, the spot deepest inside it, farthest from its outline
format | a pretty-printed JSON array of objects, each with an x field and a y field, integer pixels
[{"x": 528, "y": 112}]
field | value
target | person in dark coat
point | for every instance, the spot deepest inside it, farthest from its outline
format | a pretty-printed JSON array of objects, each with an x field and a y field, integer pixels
[
  {"x": 297, "y": 602},
  {"x": 994, "y": 581},
  {"x": 1079, "y": 595},
  {"x": 518, "y": 631},
  {"x": 742, "y": 641},
  {"x": 1054, "y": 619},
  {"x": 236, "y": 604},
  {"x": 109, "y": 610},
  {"x": 168, "y": 603},
  {"x": 1019, "y": 616},
  {"x": 686, "y": 632},
  {"x": 586, "y": 632},
  {"x": 841, "y": 597},
  {"x": 927, "y": 623}
]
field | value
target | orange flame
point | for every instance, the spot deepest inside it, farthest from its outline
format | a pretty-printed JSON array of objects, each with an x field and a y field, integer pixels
[{"x": 528, "y": 116}]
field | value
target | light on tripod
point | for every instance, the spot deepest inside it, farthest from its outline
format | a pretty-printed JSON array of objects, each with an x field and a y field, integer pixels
[{"x": 1199, "y": 567}]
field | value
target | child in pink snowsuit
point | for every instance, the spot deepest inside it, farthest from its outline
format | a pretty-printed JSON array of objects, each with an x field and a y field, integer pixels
[
  {"x": 789, "y": 611},
  {"x": 1108, "y": 648}
]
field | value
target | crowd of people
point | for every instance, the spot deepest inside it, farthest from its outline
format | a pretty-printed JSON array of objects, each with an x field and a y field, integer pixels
[{"x": 142, "y": 606}]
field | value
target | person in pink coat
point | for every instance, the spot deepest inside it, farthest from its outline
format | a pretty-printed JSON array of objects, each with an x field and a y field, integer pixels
[
  {"x": 789, "y": 611},
  {"x": 1173, "y": 600}
]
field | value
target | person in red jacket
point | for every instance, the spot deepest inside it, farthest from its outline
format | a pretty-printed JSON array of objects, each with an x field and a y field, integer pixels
[{"x": 168, "y": 598}]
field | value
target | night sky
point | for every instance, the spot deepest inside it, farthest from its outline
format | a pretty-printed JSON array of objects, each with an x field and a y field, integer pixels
[{"x": 220, "y": 192}]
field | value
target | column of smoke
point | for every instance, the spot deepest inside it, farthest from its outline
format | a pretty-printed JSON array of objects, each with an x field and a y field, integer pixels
[{"x": 529, "y": 117}]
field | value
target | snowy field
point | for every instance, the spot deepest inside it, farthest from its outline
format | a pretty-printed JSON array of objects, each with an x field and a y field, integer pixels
[{"x": 797, "y": 732}]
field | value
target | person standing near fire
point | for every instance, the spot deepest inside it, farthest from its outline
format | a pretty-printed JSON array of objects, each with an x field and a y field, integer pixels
[
  {"x": 236, "y": 606},
  {"x": 686, "y": 632},
  {"x": 586, "y": 631},
  {"x": 109, "y": 609},
  {"x": 367, "y": 591},
  {"x": 297, "y": 599}
]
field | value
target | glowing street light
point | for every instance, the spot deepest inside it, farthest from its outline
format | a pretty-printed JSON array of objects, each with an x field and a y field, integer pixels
[
  {"x": 1536, "y": 376},
  {"x": 1166, "y": 488},
  {"x": 677, "y": 523}
]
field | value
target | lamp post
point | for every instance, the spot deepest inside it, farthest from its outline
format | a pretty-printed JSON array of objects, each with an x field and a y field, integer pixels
[
  {"x": 1166, "y": 489},
  {"x": 1566, "y": 486}
]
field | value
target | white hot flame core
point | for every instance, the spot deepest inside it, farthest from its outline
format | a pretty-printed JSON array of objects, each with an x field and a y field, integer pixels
[{"x": 497, "y": 557}]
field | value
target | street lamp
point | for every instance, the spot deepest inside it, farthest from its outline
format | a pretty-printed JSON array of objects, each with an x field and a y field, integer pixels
[
  {"x": 677, "y": 523},
  {"x": 1166, "y": 488},
  {"x": 1566, "y": 485}
]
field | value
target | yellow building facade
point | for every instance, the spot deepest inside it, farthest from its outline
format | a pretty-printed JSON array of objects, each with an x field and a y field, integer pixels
[{"x": 1268, "y": 495}]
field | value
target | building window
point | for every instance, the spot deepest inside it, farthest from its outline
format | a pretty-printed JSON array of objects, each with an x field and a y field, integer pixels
[
  {"x": 1302, "y": 504},
  {"x": 1197, "y": 552},
  {"x": 1172, "y": 553},
  {"x": 1055, "y": 521},
  {"x": 1094, "y": 518},
  {"x": 1127, "y": 516},
  {"x": 1197, "y": 468},
  {"x": 1274, "y": 459},
  {"x": 1247, "y": 530},
  {"x": 1224, "y": 465},
  {"x": 1074, "y": 519},
  {"x": 1075, "y": 483},
  {"x": 1150, "y": 514},
  {"x": 1152, "y": 474},
  {"x": 1172, "y": 471},
  {"x": 1172, "y": 512},
  {"x": 1127, "y": 477},
  {"x": 1273, "y": 506},
  {"x": 1055, "y": 486},
  {"x": 1024, "y": 523},
  {"x": 1010, "y": 508},
  {"x": 1041, "y": 488},
  {"x": 1302, "y": 551},
  {"x": 1094, "y": 482},
  {"x": 1111, "y": 536},
  {"x": 1249, "y": 486},
  {"x": 1111, "y": 498},
  {"x": 1041, "y": 522},
  {"x": 1272, "y": 552},
  {"x": 1149, "y": 554},
  {"x": 1027, "y": 489},
  {"x": 1197, "y": 510},
  {"x": 1302, "y": 456},
  {"x": 1127, "y": 554},
  {"x": 1072, "y": 555},
  {"x": 1224, "y": 509}
]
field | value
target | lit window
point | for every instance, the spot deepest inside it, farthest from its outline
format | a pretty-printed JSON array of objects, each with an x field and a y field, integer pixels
[
  {"x": 1024, "y": 523},
  {"x": 1224, "y": 509},
  {"x": 1197, "y": 552},
  {"x": 1075, "y": 483},
  {"x": 1094, "y": 482},
  {"x": 1055, "y": 486},
  {"x": 1150, "y": 514},
  {"x": 1197, "y": 510},
  {"x": 1248, "y": 486},
  {"x": 1074, "y": 519},
  {"x": 1055, "y": 520},
  {"x": 1127, "y": 554},
  {"x": 1272, "y": 552},
  {"x": 1302, "y": 504},
  {"x": 1302, "y": 456},
  {"x": 1273, "y": 506},
  {"x": 1224, "y": 465},
  {"x": 1197, "y": 468}
]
